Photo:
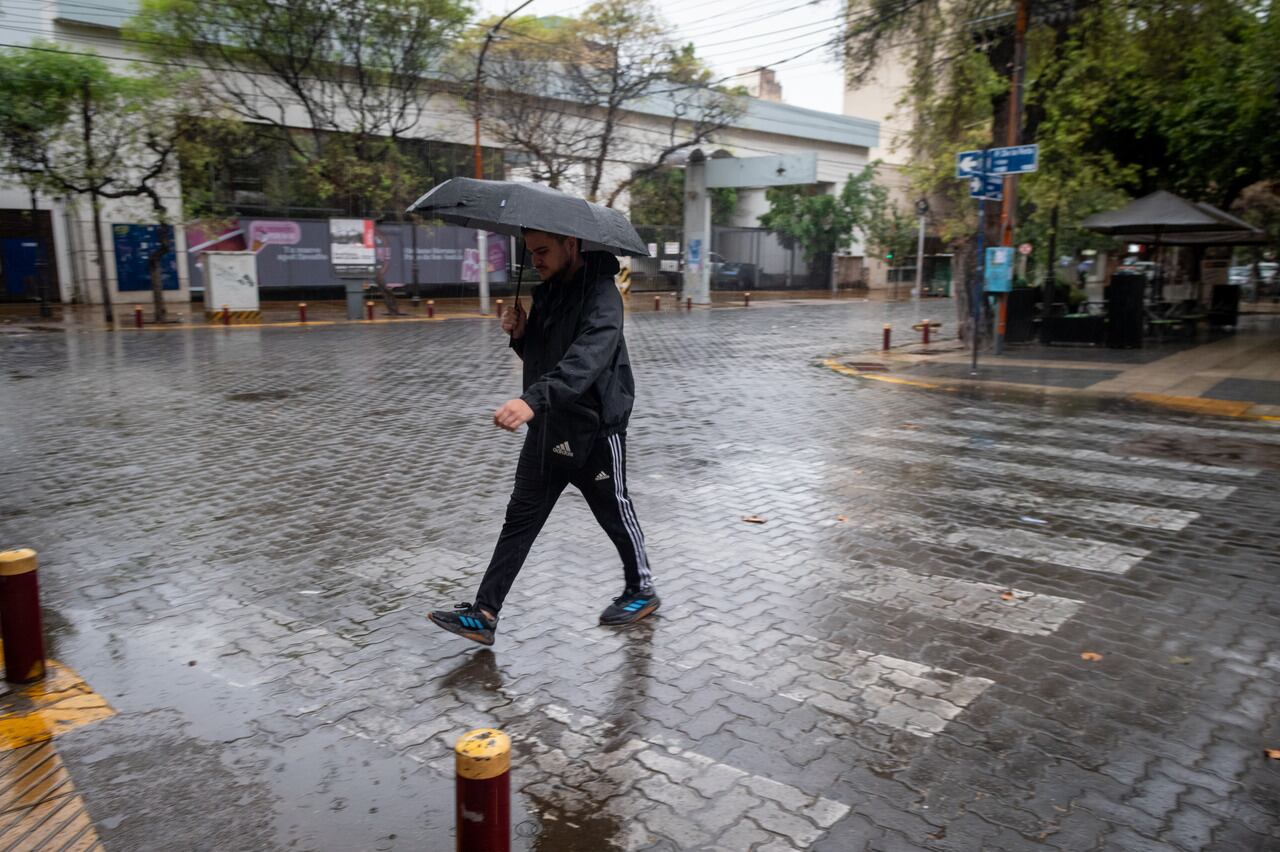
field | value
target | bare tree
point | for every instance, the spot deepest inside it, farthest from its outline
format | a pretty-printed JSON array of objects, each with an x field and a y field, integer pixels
[{"x": 566, "y": 94}]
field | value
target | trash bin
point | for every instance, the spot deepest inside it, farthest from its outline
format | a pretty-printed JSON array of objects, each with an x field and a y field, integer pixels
[
  {"x": 1124, "y": 310},
  {"x": 1224, "y": 305},
  {"x": 1020, "y": 316}
]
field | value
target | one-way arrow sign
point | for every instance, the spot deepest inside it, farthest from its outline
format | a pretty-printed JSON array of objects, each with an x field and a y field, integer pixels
[
  {"x": 990, "y": 187},
  {"x": 969, "y": 163}
]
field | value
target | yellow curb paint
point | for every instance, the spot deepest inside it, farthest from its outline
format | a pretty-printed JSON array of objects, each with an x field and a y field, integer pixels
[
  {"x": 483, "y": 753},
  {"x": 61, "y": 702},
  {"x": 1191, "y": 404},
  {"x": 1196, "y": 405},
  {"x": 39, "y": 806},
  {"x": 832, "y": 364}
]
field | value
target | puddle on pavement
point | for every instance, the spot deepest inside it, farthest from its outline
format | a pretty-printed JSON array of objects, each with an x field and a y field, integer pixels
[{"x": 1227, "y": 452}]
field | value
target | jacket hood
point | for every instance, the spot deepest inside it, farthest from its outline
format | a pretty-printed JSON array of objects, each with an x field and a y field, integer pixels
[{"x": 601, "y": 262}]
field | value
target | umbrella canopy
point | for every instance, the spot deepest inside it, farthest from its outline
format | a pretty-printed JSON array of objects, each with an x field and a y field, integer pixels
[
  {"x": 1162, "y": 214},
  {"x": 505, "y": 208}
]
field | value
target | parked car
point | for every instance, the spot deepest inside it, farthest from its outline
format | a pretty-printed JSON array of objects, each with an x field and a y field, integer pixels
[
  {"x": 1242, "y": 276},
  {"x": 735, "y": 276}
]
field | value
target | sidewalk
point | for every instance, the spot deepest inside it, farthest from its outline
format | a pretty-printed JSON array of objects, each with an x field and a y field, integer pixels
[
  {"x": 328, "y": 312},
  {"x": 1233, "y": 374}
]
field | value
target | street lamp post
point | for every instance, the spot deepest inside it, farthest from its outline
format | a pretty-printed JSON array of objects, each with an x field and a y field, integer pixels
[{"x": 482, "y": 236}]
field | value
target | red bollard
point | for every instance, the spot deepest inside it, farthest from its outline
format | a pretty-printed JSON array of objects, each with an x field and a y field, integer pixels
[
  {"x": 483, "y": 813},
  {"x": 498, "y": 310},
  {"x": 20, "y": 627},
  {"x": 431, "y": 308},
  {"x": 368, "y": 310},
  {"x": 657, "y": 303},
  {"x": 226, "y": 315},
  {"x": 926, "y": 332},
  {"x": 888, "y": 329},
  {"x": 137, "y": 317},
  {"x": 302, "y": 312},
  {"x": 746, "y": 302},
  {"x": 688, "y": 303}
]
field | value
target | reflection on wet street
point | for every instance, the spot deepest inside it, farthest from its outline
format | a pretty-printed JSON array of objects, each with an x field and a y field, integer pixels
[{"x": 240, "y": 534}]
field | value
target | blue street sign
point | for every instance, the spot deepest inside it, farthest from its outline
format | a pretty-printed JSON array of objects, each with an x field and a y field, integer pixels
[
  {"x": 998, "y": 270},
  {"x": 990, "y": 187},
  {"x": 1015, "y": 160},
  {"x": 968, "y": 163}
]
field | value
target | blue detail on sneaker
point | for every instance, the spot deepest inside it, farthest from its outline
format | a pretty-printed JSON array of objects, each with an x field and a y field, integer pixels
[
  {"x": 466, "y": 620},
  {"x": 630, "y": 607}
]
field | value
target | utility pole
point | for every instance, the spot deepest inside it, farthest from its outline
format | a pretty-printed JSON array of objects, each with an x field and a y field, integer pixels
[
  {"x": 922, "y": 210},
  {"x": 1009, "y": 205},
  {"x": 482, "y": 236}
]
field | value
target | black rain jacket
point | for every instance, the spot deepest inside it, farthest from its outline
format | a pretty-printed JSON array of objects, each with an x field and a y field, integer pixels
[{"x": 575, "y": 356}]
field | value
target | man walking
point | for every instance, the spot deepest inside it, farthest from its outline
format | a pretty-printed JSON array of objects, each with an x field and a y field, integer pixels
[{"x": 578, "y": 391}]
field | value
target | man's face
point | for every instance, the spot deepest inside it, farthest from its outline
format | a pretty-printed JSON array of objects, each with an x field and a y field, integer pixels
[{"x": 552, "y": 254}]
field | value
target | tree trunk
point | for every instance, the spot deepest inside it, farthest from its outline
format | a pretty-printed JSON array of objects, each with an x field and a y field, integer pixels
[
  {"x": 90, "y": 168},
  {"x": 155, "y": 267},
  {"x": 42, "y": 265},
  {"x": 102, "y": 258}
]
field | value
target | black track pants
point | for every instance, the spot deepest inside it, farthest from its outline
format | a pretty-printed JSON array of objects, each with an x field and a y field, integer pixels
[{"x": 602, "y": 481}]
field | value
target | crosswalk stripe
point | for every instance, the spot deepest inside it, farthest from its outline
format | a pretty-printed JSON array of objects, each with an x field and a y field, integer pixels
[
  {"x": 965, "y": 601},
  {"x": 1025, "y": 502},
  {"x": 1244, "y": 431},
  {"x": 1082, "y": 553},
  {"x": 1079, "y": 454},
  {"x": 1078, "y": 478}
]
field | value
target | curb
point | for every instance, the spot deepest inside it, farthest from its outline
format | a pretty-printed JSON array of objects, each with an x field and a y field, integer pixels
[{"x": 1185, "y": 404}]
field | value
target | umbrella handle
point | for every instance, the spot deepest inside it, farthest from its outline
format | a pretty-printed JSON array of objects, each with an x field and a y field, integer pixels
[{"x": 519, "y": 281}]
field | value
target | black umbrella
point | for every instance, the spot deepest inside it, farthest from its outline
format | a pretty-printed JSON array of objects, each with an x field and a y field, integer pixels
[{"x": 507, "y": 208}]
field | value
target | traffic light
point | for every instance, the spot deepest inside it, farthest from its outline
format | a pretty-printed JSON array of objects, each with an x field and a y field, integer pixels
[{"x": 888, "y": 255}]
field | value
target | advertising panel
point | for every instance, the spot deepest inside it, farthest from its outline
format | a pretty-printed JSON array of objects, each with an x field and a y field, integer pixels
[{"x": 351, "y": 248}]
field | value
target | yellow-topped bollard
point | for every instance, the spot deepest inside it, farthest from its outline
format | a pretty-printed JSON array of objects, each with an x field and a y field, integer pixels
[
  {"x": 483, "y": 764},
  {"x": 20, "y": 625}
]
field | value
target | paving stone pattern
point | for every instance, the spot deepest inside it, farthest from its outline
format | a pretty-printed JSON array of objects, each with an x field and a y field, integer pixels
[{"x": 241, "y": 531}]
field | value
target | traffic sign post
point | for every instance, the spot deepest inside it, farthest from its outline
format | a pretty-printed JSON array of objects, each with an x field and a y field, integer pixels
[{"x": 986, "y": 170}]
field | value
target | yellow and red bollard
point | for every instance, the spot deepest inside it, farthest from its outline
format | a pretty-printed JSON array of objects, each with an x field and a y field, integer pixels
[
  {"x": 431, "y": 308},
  {"x": 746, "y": 300},
  {"x": 20, "y": 627},
  {"x": 302, "y": 312},
  {"x": 888, "y": 330},
  {"x": 368, "y": 310},
  {"x": 226, "y": 315},
  {"x": 499, "y": 309},
  {"x": 137, "y": 317},
  {"x": 483, "y": 761}
]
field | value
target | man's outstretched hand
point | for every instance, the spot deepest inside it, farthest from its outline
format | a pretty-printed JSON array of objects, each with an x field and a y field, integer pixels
[{"x": 513, "y": 414}]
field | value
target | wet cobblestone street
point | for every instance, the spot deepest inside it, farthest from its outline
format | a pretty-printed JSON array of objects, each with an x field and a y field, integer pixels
[{"x": 241, "y": 531}]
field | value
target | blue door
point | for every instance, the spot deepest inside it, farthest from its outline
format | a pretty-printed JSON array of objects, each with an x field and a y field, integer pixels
[{"x": 18, "y": 266}]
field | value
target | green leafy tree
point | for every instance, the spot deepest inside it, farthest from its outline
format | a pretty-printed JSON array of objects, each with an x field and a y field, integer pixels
[
  {"x": 37, "y": 103},
  {"x": 657, "y": 198},
  {"x": 1123, "y": 99},
  {"x": 818, "y": 224},
  {"x": 341, "y": 83},
  {"x": 110, "y": 136}
]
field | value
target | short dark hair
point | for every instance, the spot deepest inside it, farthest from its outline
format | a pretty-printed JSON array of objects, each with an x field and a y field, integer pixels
[{"x": 561, "y": 237}]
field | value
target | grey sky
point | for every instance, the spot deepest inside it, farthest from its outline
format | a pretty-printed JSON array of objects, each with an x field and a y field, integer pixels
[{"x": 731, "y": 35}]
